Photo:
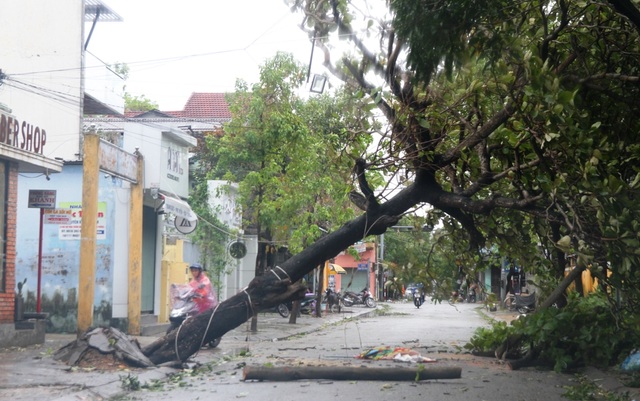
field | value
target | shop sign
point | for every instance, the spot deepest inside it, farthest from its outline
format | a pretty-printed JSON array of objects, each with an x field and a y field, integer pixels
[
  {"x": 57, "y": 216},
  {"x": 22, "y": 134},
  {"x": 42, "y": 198}
]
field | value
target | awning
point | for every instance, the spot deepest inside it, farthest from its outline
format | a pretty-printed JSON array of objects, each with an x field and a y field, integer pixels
[
  {"x": 337, "y": 268},
  {"x": 179, "y": 208}
]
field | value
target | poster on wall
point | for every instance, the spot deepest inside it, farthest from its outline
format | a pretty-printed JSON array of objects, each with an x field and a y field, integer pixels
[{"x": 71, "y": 230}]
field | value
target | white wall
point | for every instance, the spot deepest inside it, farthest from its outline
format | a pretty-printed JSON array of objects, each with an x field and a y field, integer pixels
[
  {"x": 121, "y": 252},
  {"x": 244, "y": 270},
  {"x": 41, "y": 53},
  {"x": 101, "y": 82},
  {"x": 222, "y": 201},
  {"x": 155, "y": 143}
]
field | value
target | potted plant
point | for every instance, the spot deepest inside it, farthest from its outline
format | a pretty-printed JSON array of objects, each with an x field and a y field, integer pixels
[{"x": 19, "y": 306}]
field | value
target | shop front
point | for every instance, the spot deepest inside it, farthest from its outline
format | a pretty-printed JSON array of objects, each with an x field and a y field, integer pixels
[{"x": 21, "y": 151}]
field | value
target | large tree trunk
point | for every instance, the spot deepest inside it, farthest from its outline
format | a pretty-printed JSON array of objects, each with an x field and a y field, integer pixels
[{"x": 276, "y": 286}]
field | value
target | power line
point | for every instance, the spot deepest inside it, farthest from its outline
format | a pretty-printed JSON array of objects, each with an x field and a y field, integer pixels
[{"x": 162, "y": 59}]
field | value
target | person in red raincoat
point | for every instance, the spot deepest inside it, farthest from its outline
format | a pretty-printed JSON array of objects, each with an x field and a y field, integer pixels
[{"x": 204, "y": 297}]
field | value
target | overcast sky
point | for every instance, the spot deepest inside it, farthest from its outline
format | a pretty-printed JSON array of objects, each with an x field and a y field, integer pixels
[{"x": 174, "y": 48}]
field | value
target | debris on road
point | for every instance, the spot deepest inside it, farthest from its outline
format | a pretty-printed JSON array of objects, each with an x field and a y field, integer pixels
[
  {"x": 400, "y": 354},
  {"x": 106, "y": 341}
]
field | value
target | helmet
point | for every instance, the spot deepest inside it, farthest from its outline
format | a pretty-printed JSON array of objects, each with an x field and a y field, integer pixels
[{"x": 196, "y": 266}]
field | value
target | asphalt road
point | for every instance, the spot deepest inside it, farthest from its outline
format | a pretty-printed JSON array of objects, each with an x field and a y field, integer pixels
[{"x": 434, "y": 331}]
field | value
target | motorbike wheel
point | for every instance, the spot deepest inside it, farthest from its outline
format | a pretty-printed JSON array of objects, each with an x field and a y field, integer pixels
[
  {"x": 335, "y": 308},
  {"x": 347, "y": 302},
  {"x": 283, "y": 310},
  {"x": 214, "y": 343},
  {"x": 370, "y": 302}
]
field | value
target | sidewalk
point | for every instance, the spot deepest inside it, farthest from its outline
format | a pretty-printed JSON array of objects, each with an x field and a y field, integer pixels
[{"x": 32, "y": 373}]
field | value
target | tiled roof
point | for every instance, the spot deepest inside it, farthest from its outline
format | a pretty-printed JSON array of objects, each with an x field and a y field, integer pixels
[
  {"x": 132, "y": 114},
  {"x": 204, "y": 105},
  {"x": 200, "y": 106}
]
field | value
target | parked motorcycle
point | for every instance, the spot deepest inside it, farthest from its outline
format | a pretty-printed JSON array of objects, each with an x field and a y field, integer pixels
[
  {"x": 284, "y": 309},
  {"x": 361, "y": 298},
  {"x": 307, "y": 306},
  {"x": 332, "y": 300},
  {"x": 525, "y": 303},
  {"x": 184, "y": 307}
]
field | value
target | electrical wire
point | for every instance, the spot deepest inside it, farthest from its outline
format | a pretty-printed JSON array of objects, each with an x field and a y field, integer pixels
[{"x": 169, "y": 59}]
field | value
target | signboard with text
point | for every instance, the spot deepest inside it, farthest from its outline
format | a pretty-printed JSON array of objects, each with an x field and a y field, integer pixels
[
  {"x": 363, "y": 266},
  {"x": 42, "y": 198},
  {"x": 71, "y": 230},
  {"x": 174, "y": 168},
  {"x": 57, "y": 216}
]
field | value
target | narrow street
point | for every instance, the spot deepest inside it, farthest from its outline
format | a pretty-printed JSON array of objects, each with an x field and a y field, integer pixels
[{"x": 435, "y": 331}]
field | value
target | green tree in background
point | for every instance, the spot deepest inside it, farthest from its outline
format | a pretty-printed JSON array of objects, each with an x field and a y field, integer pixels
[
  {"x": 138, "y": 103},
  {"x": 133, "y": 102}
]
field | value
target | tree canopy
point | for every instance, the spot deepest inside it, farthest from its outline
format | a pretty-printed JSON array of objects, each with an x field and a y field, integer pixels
[
  {"x": 289, "y": 155},
  {"x": 516, "y": 121}
]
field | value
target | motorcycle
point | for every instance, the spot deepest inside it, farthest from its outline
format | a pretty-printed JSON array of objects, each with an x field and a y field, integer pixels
[
  {"x": 471, "y": 298},
  {"x": 457, "y": 296},
  {"x": 418, "y": 299},
  {"x": 524, "y": 303},
  {"x": 332, "y": 300},
  {"x": 184, "y": 307},
  {"x": 307, "y": 306},
  {"x": 362, "y": 298}
]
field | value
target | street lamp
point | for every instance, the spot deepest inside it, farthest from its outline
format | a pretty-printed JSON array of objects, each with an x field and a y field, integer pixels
[{"x": 317, "y": 84}]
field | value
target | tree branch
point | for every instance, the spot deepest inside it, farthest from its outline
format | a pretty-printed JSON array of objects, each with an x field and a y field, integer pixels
[{"x": 629, "y": 10}]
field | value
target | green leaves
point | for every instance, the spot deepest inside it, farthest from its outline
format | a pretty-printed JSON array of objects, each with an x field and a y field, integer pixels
[
  {"x": 584, "y": 332},
  {"x": 290, "y": 157}
]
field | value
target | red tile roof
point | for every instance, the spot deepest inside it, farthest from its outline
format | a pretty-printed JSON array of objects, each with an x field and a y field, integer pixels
[
  {"x": 204, "y": 105},
  {"x": 201, "y": 105}
]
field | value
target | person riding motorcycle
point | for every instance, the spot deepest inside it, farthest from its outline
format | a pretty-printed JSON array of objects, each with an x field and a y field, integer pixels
[{"x": 203, "y": 291}]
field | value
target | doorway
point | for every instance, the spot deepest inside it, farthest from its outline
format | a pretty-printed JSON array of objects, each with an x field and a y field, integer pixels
[{"x": 149, "y": 236}]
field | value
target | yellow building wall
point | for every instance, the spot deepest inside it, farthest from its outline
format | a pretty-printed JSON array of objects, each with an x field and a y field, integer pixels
[{"x": 174, "y": 271}]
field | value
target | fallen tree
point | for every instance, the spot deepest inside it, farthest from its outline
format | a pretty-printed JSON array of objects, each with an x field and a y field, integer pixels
[
  {"x": 500, "y": 143},
  {"x": 282, "y": 284}
]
